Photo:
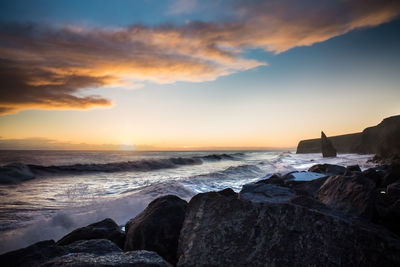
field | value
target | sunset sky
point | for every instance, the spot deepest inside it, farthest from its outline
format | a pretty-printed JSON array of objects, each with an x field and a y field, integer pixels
[{"x": 194, "y": 74}]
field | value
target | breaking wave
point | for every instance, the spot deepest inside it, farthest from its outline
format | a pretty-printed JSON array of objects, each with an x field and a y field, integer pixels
[{"x": 16, "y": 172}]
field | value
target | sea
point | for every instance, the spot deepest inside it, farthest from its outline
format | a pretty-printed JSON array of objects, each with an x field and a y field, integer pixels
[{"x": 75, "y": 188}]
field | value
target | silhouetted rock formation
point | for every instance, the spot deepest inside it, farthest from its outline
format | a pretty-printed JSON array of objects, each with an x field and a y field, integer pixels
[
  {"x": 382, "y": 140},
  {"x": 326, "y": 147},
  {"x": 157, "y": 227},
  {"x": 105, "y": 229},
  {"x": 226, "y": 231}
]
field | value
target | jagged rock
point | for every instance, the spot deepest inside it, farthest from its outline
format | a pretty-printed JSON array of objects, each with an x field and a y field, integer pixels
[
  {"x": 353, "y": 168},
  {"x": 262, "y": 192},
  {"x": 33, "y": 254},
  {"x": 353, "y": 195},
  {"x": 382, "y": 140},
  {"x": 392, "y": 175},
  {"x": 327, "y": 147},
  {"x": 273, "y": 179},
  {"x": 93, "y": 246},
  {"x": 157, "y": 227},
  {"x": 328, "y": 169},
  {"x": 393, "y": 192},
  {"x": 228, "y": 192},
  {"x": 105, "y": 229},
  {"x": 307, "y": 188},
  {"x": 139, "y": 258},
  {"x": 374, "y": 175},
  {"x": 217, "y": 232}
]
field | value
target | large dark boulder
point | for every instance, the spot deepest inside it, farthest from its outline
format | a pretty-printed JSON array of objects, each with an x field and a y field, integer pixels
[
  {"x": 157, "y": 228},
  {"x": 93, "y": 246},
  {"x": 221, "y": 231},
  {"x": 262, "y": 192},
  {"x": 140, "y": 258},
  {"x": 33, "y": 254},
  {"x": 328, "y": 169},
  {"x": 327, "y": 148},
  {"x": 307, "y": 188},
  {"x": 353, "y": 195},
  {"x": 105, "y": 229}
]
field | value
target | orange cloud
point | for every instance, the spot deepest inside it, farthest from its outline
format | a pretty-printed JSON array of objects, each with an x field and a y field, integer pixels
[{"x": 42, "y": 67}]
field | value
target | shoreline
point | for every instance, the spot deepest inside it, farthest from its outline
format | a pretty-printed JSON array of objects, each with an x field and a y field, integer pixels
[{"x": 348, "y": 199}]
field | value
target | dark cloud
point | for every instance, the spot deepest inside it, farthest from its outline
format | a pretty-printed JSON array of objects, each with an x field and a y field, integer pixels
[{"x": 50, "y": 68}]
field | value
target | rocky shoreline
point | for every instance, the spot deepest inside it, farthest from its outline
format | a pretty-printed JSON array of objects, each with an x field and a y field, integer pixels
[{"x": 344, "y": 217}]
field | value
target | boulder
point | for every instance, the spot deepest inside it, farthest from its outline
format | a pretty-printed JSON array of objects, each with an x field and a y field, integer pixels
[
  {"x": 105, "y": 229},
  {"x": 139, "y": 258},
  {"x": 353, "y": 168},
  {"x": 306, "y": 188},
  {"x": 328, "y": 169},
  {"x": 303, "y": 176},
  {"x": 374, "y": 175},
  {"x": 33, "y": 254},
  {"x": 218, "y": 231},
  {"x": 228, "y": 192},
  {"x": 93, "y": 246},
  {"x": 262, "y": 192},
  {"x": 392, "y": 175},
  {"x": 157, "y": 227},
  {"x": 327, "y": 148},
  {"x": 353, "y": 195},
  {"x": 273, "y": 179}
]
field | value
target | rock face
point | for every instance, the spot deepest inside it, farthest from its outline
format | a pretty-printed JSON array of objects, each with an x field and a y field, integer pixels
[
  {"x": 105, "y": 229},
  {"x": 382, "y": 140},
  {"x": 268, "y": 193},
  {"x": 353, "y": 195},
  {"x": 32, "y": 255},
  {"x": 93, "y": 246},
  {"x": 225, "y": 231},
  {"x": 328, "y": 169},
  {"x": 157, "y": 228},
  {"x": 140, "y": 258},
  {"x": 45, "y": 251},
  {"x": 326, "y": 147}
]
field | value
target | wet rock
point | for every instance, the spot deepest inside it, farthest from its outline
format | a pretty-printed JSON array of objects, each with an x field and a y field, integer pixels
[
  {"x": 327, "y": 147},
  {"x": 303, "y": 176},
  {"x": 353, "y": 195},
  {"x": 140, "y": 258},
  {"x": 266, "y": 193},
  {"x": 374, "y": 175},
  {"x": 157, "y": 228},
  {"x": 93, "y": 246},
  {"x": 392, "y": 175},
  {"x": 32, "y": 255},
  {"x": 328, "y": 169},
  {"x": 393, "y": 192},
  {"x": 307, "y": 188},
  {"x": 228, "y": 192},
  {"x": 273, "y": 179},
  {"x": 217, "y": 232},
  {"x": 105, "y": 229},
  {"x": 354, "y": 168}
]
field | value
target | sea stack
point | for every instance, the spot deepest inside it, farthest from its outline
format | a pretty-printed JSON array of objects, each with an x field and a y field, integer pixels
[{"x": 327, "y": 148}]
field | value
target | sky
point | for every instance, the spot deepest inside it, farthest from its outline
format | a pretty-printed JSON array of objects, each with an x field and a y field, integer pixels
[{"x": 187, "y": 75}]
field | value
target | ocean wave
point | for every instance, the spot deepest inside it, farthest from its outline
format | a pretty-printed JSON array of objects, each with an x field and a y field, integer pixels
[{"x": 16, "y": 172}]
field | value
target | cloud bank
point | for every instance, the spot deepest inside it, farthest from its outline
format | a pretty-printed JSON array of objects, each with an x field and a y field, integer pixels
[{"x": 52, "y": 68}]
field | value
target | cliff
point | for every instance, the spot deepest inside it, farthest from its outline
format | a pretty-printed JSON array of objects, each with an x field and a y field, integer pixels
[{"x": 382, "y": 140}]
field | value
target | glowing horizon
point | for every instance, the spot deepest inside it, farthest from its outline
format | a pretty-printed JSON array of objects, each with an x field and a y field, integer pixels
[{"x": 181, "y": 75}]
